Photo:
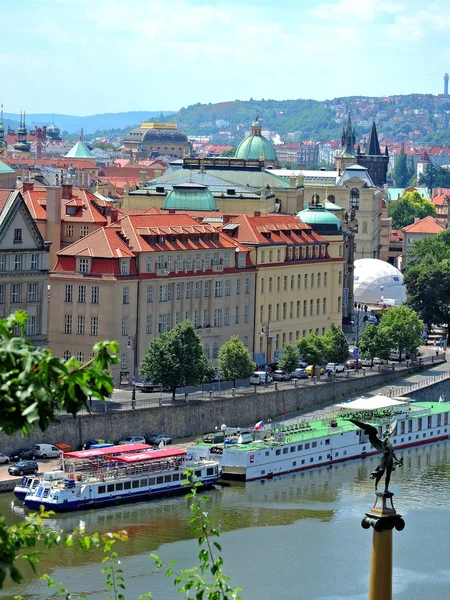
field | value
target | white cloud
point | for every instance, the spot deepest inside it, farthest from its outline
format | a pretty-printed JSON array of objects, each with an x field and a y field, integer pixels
[{"x": 365, "y": 11}]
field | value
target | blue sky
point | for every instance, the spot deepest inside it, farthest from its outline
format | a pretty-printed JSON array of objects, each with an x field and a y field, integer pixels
[{"x": 95, "y": 56}]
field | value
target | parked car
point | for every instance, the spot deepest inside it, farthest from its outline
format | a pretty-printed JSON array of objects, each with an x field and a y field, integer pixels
[
  {"x": 133, "y": 439},
  {"x": 145, "y": 385},
  {"x": 372, "y": 320},
  {"x": 378, "y": 361},
  {"x": 299, "y": 374},
  {"x": 281, "y": 376},
  {"x": 366, "y": 362},
  {"x": 309, "y": 369},
  {"x": 46, "y": 451},
  {"x": 4, "y": 460},
  {"x": 353, "y": 363},
  {"x": 24, "y": 467},
  {"x": 395, "y": 355},
  {"x": 23, "y": 454},
  {"x": 334, "y": 368},
  {"x": 156, "y": 439},
  {"x": 260, "y": 377},
  {"x": 302, "y": 363}
]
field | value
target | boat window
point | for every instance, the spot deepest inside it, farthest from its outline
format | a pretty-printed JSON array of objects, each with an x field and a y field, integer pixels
[
  {"x": 336, "y": 454},
  {"x": 402, "y": 439},
  {"x": 294, "y": 464},
  {"x": 285, "y": 450},
  {"x": 402, "y": 427},
  {"x": 159, "y": 479},
  {"x": 127, "y": 485},
  {"x": 144, "y": 482},
  {"x": 419, "y": 425},
  {"x": 300, "y": 447},
  {"x": 176, "y": 477},
  {"x": 417, "y": 437},
  {"x": 267, "y": 453},
  {"x": 198, "y": 473},
  {"x": 110, "y": 488},
  {"x": 314, "y": 444},
  {"x": 135, "y": 483},
  {"x": 303, "y": 461},
  {"x": 327, "y": 442},
  {"x": 167, "y": 478},
  {"x": 101, "y": 489},
  {"x": 292, "y": 448},
  {"x": 438, "y": 420},
  {"x": 46, "y": 491},
  {"x": 183, "y": 476},
  {"x": 429, "y": 422},
  {"x": 263, "y": 472},
  {"x": 409, "y": 427},
  {"x": 210, "y": 471},
  {"x": 151, "y": 481},
  {"x": 446, "y": 419},
  {"x": 278, "y": 452},
  {"x": 424, "y": 435},
  {"x": 409, "y": 438},
  {"x": 345, "y": 452},
  {"x": 307, "y": 446},
  {"x": 311, "y": 459},
  {"x": 439, "y": 431},
  {"x": 320, "y": 458},
  {"x": 119, "y": 487}
]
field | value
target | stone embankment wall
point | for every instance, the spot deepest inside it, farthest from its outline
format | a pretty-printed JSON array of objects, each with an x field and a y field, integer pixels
[{"x": 195, "y": 418}]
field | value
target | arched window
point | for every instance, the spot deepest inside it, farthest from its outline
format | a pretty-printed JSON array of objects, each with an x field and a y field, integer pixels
[
  {"x": 364, "y": 227},
  {"x": 206, "y": 349},
  {"x": 215, "y": 350},
  {"x": 315, "y": 199},
  {"x": 354, "y": 198},
  {"x": 331, "y": 198},
  {"x": 80, "y": 357},
  {"x": 67, "y": 354}
]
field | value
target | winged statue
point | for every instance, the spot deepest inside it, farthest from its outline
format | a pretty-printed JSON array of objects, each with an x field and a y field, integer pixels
[{"x": 388, "y": 460}]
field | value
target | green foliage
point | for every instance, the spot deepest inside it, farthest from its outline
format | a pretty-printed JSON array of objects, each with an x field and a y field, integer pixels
[
  {"x": 428, "y": 289},
  {"x": 312, "y": 349},
  {"x": 104, "y": 146},
  {"x": 375, "y": 341},
  {"x": 230, "y": 152},
  {"x": 288, "y": 360},
  {"x": 35, "y": 385},
  {"x": 405, "y": 210},
  {"x": 336, "y": 345},
  {"x": 430, "y": 249},
  {"x": 402, "y": 172},
  {"x": 403, "y": 327},
  {"x": 176, "y": 358},
  {"x": 235, "y": 361}
]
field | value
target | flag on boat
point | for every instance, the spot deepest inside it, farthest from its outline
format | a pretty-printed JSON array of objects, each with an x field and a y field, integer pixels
[
  {"x": 259, "y": 425},
  {"x": 161, "y": 445},
  {"x": 441, "y": 399}
]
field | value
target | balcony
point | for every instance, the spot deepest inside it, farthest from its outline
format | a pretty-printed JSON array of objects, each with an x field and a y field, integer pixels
[
  {"x": 162, "y": 272},
  {"x": 217, "y": 267}
]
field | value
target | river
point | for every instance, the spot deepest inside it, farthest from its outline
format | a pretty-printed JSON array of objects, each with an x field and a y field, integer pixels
[{"x": 296, "y": 537}]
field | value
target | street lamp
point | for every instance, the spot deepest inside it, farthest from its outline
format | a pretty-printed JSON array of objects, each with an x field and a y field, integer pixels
[
  {"x": 132, "y": 344},
  {"x": 265, "y": 330}
]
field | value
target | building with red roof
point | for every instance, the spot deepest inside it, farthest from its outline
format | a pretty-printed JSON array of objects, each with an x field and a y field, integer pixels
[{"x": 419, "y": 230}]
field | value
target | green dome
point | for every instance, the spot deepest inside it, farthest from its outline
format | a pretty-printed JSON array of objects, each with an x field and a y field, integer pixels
[
  {"x": 190, "y": 196},
  {"x": 321, "y": 220},
  {"x": 254, "y": 147}
]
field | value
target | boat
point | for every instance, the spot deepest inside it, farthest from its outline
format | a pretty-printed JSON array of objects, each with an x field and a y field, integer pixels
[
  {"x": 285, "y": 448},
  {"x": 94, "y": 478}
]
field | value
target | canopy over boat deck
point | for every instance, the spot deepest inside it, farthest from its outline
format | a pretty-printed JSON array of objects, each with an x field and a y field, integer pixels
[{"x": 373, "y": 403}]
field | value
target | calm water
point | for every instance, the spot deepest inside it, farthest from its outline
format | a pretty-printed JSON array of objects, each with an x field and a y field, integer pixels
[{"x": 295, "y": 537}]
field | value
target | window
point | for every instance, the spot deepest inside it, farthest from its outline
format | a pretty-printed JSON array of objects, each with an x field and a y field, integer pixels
[
  {"x": 206, "y": 289},
  {"x": 69, "y": 230},
  {"x": 262, "y": 285},
  {"x": 226, "y": 317},
  {"x": 34, "y": 262},
  {"x": 81, "y": 321},
  {"x": 123, "y": 366},
  {"x": 261, "y": 313},
  {"x": 80, "y": 356},
  {"x": 215, "y": 350},
  {"x": 298, "y": 309},
  {"x": 318, "y": 280},
  {"x": 31, "y": 324},
  {"x": 32, "y": 292},
  {"x": 178, "y": 292},
  {"x": 205, "y": 317},
  {"x": 247, "y": 285},
  {"x": 262, "y": 256},
  {"x": 312, "y": 280},
  {"x": 148, "y": 264},
  {"x": 218, "y": 317},
  {"x": 197, "y": 289},
  {"x": 124, "y": 266},
  {"x": 218, "y": 289},
  {"x": 354, "y": 198},
  {"x": 284, "y": 311},
  {"x": 290, "y": 253},
  {"x": 245, "y": 314},
  {"x": 17, "y": 236},
  {"x": 311, "y": 306},
  {"x": 269, "y": 313},
  {"x": 165, "y": 292},
  {"x": 270, "y": 256},
  {"x": 126, "y": 295},
  {"x": 236, "y": 320},
  {"x": 68, "y": 291},
  {"x": 227, "y": 287},
  {"x": 188, "y": 290},
  {"x": 125, "y": 326},
  {"x": 83, "y": 265},
  {"x": 292, "y": 282},
  {"x": 305, "y": 282},
  {"x": 340, "y": 278},
  {"x": 195, "y": 320},
  {"x": 2, "y": 262},
  {"x": 187, "y": 315},
  {"x": 17, "y": 262},
  {"x": 149, "y": 324},
  {"x": 82, "y": 294},
  {"x": 299, "y": 281},
  {"x": 278, "y": 283},
  {"x": 324, "y": 306},
  {"x": 318, "y": 306},
  {"x": 2, "y": 294},
  {"x": 84, "y": 230},
  {"x": 164, "y": 323},
  {"x": 310, "y": 251},
  {"x": 226, "y": 259},
  {"x": 304, "y": 308},
  {"x": 66, "y": 354},
  {"x": 270, "y": 284},
  {"x": 206, "y": 350},
  {"x": 177, "y": 317},
  {"x": 325, "y": 279},
  {"x": 291, "y": 310},
  {"x": 198, "y": 261},
  {"x": 339, "y": 304},
  {"x": 285, "y": 283},
  {"x": 241, "y": 260},
  {"x": 246, "y": 341},
  {"x": 68, "y": 324},
  {"x": 94, "y": 326},
  {"x": 16, "y": 293},
  {"x": 277, "y": 318},
  {"x": 179, "y": 262}
]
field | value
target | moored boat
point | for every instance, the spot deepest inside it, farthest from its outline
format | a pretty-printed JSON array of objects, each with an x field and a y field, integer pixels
[
  {"x": 307, "y": 444},
  {"x": 118, "y": 479}
]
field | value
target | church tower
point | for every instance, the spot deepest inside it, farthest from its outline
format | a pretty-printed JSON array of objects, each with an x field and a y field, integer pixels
[
  {"x": 373, "y": 159},
  {"x": 346, "y": 155}
]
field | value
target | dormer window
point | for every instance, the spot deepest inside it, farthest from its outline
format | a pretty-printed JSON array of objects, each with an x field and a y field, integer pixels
[
  {"x": 71, "y": 210},
  {"x": 173, "y": 238},
  {"x": 18, "y": 236},
  {"x": 162, "y": 239},
  {"x": 303, "y": 252},
  {"x": 322, "y": 250},
  {"x": 215, "y": 237},
  {"x": 241, "y": 260},
  {"x": 124, "y": 266},
  {"x": 290, "y": 253},
  {"x": 310, "y": 251},
  {"x": 196, "y": 238},
  {"x": 84, "y": 265}
]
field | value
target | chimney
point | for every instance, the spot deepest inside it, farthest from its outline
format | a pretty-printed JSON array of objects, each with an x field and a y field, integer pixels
[
  {"x": 226, "y": 219},
  {"x": 143, "y": 177},
  {"x": 27, "y": 186},
  {"x": 114, "y": 215},
  {"x": 416, "y": 219},
  {"x": 66, "y": 191}
]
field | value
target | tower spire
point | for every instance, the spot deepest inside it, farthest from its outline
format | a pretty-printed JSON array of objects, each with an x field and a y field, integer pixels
[{"x": 373, "y": 145}]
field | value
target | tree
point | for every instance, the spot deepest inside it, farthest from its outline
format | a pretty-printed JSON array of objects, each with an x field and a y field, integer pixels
[
  {"x": 375, "y": 342},
  {"x": 410, "y": 206},
  {"x": 176, "y": 358},
  {"x": 403, "y": 327},
  {"x": 230, "y": 152},
  {"x": 312, "y": 349},
  {"x": 430, "y": 249},
  {"x": 401, "y": 170},
  {"x": 235, "y": 361},
  {"x": 288, "y": 360},
  {"x": 336, "y": 345}
]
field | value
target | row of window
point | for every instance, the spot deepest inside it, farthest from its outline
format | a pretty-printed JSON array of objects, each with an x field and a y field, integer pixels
[
  {"x": 81, "y": 325},
  {"x": 191, "y": 261},
  {"x": 19, "y": 262},
  {"x": 311, "y": 281},
  {"x": 293, "y": 253},
  {"x": 281, "y": 310},
  {"x": 82, "y": 293},
  {"x": 283, "y": 338},
  {"x": 68, "y": 230},
  {"x": 79, "y": 355},
  {"x": 16, "y": 295}
]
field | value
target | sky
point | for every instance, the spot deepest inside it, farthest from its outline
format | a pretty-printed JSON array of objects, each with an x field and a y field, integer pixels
[{"x": 84, "y": 57}]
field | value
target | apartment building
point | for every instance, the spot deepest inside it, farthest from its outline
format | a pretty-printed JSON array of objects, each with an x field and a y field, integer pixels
[
  {"x": 139, "y": 277},
  {"x": 24, "y": 266}
]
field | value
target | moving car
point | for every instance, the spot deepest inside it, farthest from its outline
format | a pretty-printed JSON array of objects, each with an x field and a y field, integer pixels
[
  {"x": 372, "y": 320},
  {"x": 309, "y": 369},
  {"x": 353, "y": 363},
  {"x": 260, "y": 377},
  {"x": 4, "y": 460},
  {"x": 23, "y": 467},
  {"x": 299, "y": 374},
  {"x": 334, "y": 368},
  {"x": 156, "y": 439},
  {"x": 133, "y": 439},
  {"x": 281, "y": 376}
]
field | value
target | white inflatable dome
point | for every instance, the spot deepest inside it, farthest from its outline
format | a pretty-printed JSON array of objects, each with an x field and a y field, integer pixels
[{"x": 378, "y": 282}]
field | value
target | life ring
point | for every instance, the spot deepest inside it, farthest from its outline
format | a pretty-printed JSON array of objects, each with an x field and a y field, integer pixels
[{"x": 288, "y": 440}]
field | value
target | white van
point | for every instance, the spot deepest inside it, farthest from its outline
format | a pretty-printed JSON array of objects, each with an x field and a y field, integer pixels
[
  {"x": 47, "y": 451},
  {"x": 260, "y": 377}
]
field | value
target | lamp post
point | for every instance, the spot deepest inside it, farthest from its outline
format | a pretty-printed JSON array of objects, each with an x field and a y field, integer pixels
[
  {"x": 265, "y": 330},
  {"x": 132, "y": 344}
]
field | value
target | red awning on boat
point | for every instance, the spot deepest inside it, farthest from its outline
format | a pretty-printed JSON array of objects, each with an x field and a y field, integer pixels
[
  {"x": 133, "y": 458},
  {"x": 95, "y": 452}
]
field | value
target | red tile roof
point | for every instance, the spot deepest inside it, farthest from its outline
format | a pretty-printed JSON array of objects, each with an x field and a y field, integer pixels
[
  {"x": 4, "y": 195},
  {"x": 426, "y": 225},
  {"x": 441, "y": 198},
  {"x": 251, "y": 229},
  {"x": 106, "y": 242}
]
